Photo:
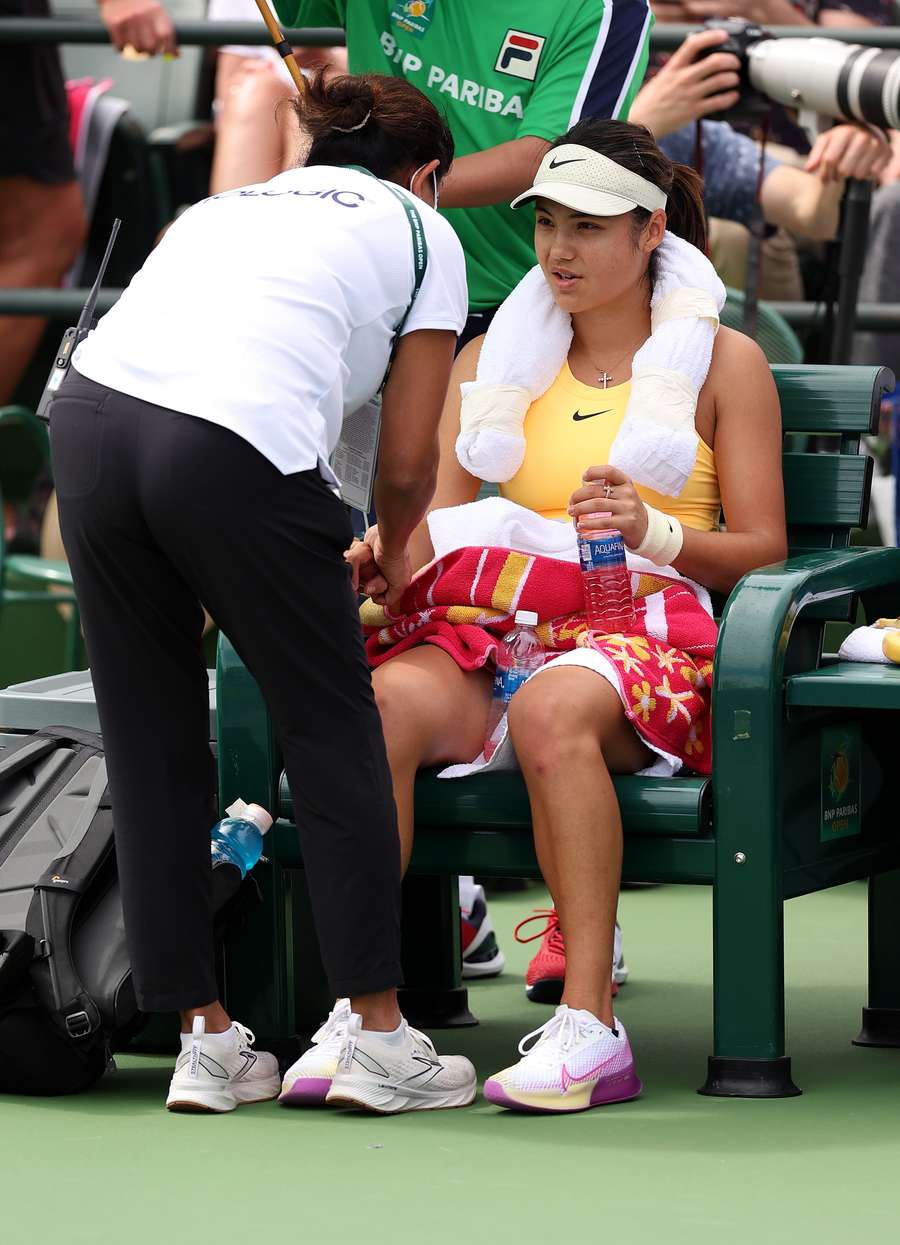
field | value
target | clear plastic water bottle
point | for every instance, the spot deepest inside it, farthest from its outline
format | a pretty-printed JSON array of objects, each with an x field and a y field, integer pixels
[
  {"x": 238, "y": 838},
  {"x": 519, "y": 655},
  {"x": 607, "y": 583}
]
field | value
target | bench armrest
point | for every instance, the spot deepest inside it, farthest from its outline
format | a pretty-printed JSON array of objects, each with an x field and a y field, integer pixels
[
  {"x": 748, "y": 706},
  {"x": 39, "y": 570},
  {"x": 761, "y": 611}
]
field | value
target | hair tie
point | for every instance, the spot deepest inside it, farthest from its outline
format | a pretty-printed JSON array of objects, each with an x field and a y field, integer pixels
[{"x": 349, "y": 129}]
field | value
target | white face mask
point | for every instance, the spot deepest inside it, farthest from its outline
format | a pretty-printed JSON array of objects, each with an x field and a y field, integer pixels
[{"x": 434, "y": 183}]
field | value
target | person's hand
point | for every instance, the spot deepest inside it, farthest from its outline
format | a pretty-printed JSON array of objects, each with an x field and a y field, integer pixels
[
  {"x": 687, "y": 88},
  {"x": 361, "y": 561},
  {"x": 849, "y": 151},
  {"x": 608, "y": 499},
  {"x": 142, "y": 24},
  {"x": 383, "y": 576}
]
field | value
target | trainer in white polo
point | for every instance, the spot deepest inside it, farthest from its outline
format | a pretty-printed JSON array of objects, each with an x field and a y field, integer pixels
[
  {"x": 219, "y": 1071},
  {"x": 399, "y": 1071}
]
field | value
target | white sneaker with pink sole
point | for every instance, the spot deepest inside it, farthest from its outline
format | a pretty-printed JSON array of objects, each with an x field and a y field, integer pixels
[{"x": 576, "y": 1063}]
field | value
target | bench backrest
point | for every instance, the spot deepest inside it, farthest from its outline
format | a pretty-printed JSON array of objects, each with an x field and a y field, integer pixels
[{"x": 827, "y": 491}]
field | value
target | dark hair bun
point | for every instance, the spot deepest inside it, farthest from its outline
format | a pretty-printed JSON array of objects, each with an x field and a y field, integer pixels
[
  {"x": 342, "y": 104},
  {"x": 383, "y": 123}
]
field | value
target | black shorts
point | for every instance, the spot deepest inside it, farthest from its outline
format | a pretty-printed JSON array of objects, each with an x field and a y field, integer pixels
[{"x": 34, "y": 111}]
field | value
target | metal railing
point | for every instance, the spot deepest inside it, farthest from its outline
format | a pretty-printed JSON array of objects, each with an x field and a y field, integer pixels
[
  {"x": 66, "y": 304},
  {"x": 210, "y": 34},
  {"x": 207, "y": 34}
]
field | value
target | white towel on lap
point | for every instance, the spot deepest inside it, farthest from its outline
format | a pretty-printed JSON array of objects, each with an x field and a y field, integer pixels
[{"x": 502, "y": 524}]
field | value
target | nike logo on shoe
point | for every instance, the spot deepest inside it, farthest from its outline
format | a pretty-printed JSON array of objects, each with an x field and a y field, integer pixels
[
  {"x": 568, "y": 1079},
  {"x": 556, "y": 164},
  {"x": 578, "y": 416}
]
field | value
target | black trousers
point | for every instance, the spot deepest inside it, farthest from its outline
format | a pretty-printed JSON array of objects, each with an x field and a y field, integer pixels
[{"x": 159, "y": 512}]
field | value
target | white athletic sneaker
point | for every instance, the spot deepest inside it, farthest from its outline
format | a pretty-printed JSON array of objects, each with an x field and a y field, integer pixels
[
  {"x": 577, "y": 1062},
  {"x": 219, "y": 1071},
  {"x": 400, "y": 1071},
  {"x": 307, "y": 1081}
]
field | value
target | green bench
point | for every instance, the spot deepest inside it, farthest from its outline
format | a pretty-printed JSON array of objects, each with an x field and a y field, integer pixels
[{"x": 804, "y": 792}]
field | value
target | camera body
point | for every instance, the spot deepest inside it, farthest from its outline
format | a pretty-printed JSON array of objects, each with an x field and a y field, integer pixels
[{"x": 742, "y": 36}]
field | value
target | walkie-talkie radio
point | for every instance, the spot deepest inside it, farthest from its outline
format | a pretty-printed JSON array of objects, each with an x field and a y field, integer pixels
[{"x": 74, "y": 336}]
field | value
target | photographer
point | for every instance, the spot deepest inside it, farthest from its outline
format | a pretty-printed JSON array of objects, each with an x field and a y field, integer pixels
[
  {"x": 697, "y": 81},
  {"x": 190, "y": 445}
]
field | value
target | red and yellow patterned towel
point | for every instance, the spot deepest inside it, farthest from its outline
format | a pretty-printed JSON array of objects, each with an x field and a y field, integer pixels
[{"x": 465, "y": 602}]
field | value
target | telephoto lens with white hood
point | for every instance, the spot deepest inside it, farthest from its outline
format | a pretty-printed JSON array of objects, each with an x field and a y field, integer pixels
[
  {"x": 813, "y": 75},
  {"x": 830, "y": 78}
]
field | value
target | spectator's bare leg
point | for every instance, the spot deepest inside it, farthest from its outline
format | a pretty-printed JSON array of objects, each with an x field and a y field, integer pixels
[
  {"x": 252, "y": 126},
  {"x": 42, "y": 229}
]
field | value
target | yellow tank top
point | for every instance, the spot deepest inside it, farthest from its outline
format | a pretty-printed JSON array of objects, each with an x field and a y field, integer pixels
[{"x": 571, "y": 428}]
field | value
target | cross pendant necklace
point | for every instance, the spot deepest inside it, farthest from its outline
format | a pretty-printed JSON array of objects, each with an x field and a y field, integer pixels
[{"x": 604, "y": 375}]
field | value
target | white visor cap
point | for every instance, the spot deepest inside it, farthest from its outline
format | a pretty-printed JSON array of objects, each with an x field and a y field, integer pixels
[{"x": 587, "y": 182}]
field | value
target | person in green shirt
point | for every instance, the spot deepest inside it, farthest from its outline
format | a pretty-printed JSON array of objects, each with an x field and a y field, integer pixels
[{"x": 510, "y": 79}]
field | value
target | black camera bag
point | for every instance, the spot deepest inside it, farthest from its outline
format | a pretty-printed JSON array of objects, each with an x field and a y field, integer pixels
[{"x": 66, "y": 995}]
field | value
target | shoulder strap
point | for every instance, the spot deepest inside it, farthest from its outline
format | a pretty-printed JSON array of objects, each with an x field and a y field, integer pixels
[
  {"x": 31, "y": 749},
  {"x": 52, "y": 911},
  {"x": 42, "y": 743}
]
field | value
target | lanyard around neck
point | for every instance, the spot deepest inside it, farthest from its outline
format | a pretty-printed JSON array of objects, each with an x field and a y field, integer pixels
[{"x": 419, "y": 245}]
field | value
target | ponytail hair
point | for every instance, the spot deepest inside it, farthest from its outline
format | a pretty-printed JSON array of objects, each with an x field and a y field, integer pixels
[
  {"x": 634, "y": 148},
  {"x": 383, "y": 123}
]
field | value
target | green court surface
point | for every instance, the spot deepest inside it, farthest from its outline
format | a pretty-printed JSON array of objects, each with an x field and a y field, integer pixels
[{"x": 114, "y": 1166}]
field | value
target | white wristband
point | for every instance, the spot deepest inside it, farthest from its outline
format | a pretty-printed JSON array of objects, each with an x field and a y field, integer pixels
[{"x": 663, "y": 539}]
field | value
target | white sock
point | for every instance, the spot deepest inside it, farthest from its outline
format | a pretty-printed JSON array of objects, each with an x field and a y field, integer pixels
[
  {"x": 393, "y": 1038},
  {"x": 226, "y": 1037}
]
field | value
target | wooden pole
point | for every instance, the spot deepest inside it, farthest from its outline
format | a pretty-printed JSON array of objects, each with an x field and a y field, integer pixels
[{"x": 282, "y": 47}]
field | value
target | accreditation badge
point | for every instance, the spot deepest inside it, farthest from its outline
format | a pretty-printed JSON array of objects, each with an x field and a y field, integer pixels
[
  {"x": 413, "y": 16},
  {"x": 355, "y": 457}
]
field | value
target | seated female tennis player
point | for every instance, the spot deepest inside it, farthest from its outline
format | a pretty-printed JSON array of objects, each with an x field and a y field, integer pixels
[{"x": 570, "y": 728}]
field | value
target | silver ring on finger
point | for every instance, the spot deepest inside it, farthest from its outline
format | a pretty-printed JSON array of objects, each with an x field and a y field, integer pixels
[{"x": 607, "y": 491}]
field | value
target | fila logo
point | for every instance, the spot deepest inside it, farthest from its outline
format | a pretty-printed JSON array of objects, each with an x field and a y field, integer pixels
[{"x": 519, "y": 54}]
